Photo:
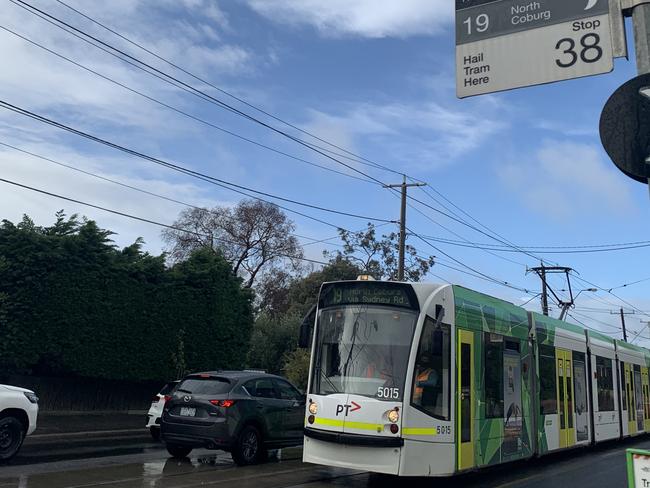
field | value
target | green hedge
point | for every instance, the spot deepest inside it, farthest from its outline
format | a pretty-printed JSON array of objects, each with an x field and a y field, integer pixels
[{"x": 73, "y": 304}]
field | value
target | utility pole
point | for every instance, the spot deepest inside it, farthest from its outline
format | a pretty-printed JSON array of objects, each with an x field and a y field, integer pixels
[
  {"x": 402, "y": 225},
  {"x": 542, "y": 272},
  {"x": 623, "y": 314}
]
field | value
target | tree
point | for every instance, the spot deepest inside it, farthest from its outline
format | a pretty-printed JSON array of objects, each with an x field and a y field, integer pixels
[
  {"x": 252, "y": 236},
  {"x": 71, "y": 303},
  {"x": 272, "y": 338},
  {"x": 379, "y": 258}
]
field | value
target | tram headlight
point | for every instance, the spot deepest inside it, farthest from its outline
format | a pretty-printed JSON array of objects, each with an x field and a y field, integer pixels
[
  {"x": 393, "y": 416},
  {"x": 313, "y": 408}
]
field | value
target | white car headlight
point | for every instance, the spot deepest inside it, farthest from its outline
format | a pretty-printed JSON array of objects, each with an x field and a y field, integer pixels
[
  {"x": 313, "y": 408},
  {"x": 31, "y": 397}
]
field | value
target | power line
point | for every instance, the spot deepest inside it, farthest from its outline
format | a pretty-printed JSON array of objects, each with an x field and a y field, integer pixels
[
  {"x": 490, "y": 278},
  {"x": 355, "y": 157},
  {"x": 636, "y": 309},
  {"x": 211, "y": 179},
  {"x": 156, "y": 195},
  {"x": 542, "y": 249},
  {"x": 182, "y": 112},
  {"x": 175, "y": 81},
  {"x": 135, "y": 217},
  {"x": 180, "y": 84}
]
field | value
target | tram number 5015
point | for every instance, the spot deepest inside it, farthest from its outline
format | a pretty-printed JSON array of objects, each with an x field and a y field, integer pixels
[
  {"x": 389, "y": 393},
  {"x": 589, "y": 50}
]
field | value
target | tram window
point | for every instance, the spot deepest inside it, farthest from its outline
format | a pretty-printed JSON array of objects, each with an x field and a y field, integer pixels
[
  {"x": 431, "y": 381},
  {"x": 605, "y": 382},
  {"x": 493, "y": 375},
  {"x": 548, "y": 380},
  {"x": 623, "y": 384}
]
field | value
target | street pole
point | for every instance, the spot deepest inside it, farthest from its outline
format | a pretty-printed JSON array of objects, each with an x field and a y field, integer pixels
[
  {"x": 641, "y": 22},
  {"x": 544, "y": 293},
  {"x": 402, "y": 225},
  {"x": 402, "y": 233},
  {"x": 623, "y": 314},
  {"x": 623, "y": 323}
]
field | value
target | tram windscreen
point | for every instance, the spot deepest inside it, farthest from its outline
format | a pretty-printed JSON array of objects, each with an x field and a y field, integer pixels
[{"x": 363, "y": 349}]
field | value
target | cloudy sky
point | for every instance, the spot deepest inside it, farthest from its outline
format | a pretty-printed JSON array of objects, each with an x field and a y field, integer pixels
[{"x": 376, "y": 78}]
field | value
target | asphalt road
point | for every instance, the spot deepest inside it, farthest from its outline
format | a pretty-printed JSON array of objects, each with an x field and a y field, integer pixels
[{"x": 122, "y": 463}]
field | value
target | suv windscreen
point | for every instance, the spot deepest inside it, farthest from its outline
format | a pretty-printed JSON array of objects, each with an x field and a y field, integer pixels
[{"x": 205, "y": 386}]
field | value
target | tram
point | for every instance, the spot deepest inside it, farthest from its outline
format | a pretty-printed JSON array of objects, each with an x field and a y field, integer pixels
[{"x": 436, "y": 379}]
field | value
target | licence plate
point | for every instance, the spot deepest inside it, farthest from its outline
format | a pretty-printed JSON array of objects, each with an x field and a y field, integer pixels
[{"x": 188, "y": 412}]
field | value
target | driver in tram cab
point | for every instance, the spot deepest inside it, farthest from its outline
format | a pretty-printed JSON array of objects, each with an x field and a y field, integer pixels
[{"x": 427, "y": 383}]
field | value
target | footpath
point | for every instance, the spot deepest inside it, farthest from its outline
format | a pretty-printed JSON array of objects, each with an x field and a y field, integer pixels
[
  {"x": 55, "y": 427},
  {"x": 83, "y": 422}
]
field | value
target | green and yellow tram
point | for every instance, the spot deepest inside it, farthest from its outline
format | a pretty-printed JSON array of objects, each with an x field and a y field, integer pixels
[{"x": 435, "y": 380}]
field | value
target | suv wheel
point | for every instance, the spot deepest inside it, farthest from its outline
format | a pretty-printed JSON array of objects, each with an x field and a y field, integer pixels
[
  {"x": 12, "y": 434},
  {"x": 249, "y": 448},
  {"x": 178, "y": 451}
]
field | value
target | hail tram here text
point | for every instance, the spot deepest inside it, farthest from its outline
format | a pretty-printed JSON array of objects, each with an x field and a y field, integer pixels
[{"x": 475, "y": 69}]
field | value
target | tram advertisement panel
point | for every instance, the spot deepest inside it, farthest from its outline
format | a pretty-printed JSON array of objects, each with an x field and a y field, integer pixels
[{"x": 512, "y": 395}]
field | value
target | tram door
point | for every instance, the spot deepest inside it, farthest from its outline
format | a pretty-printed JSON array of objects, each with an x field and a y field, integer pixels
[
  {"x": 631, "y": 409},
  {"x": 565, "y": 397},
  {"x": 465, "y": 358},
  {"x": 646, "y": 398},
  {"x": 639, "y": 394}
]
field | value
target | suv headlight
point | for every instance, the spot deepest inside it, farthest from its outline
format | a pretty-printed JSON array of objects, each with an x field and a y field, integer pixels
[{"x": 31, "y": 397}]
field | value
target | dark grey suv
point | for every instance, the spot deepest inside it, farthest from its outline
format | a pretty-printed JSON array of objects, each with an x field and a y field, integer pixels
[{"x": 242, "y": 412}]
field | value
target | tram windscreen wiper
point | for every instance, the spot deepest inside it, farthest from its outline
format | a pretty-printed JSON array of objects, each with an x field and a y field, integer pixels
[{"x": 323, "y": 375}]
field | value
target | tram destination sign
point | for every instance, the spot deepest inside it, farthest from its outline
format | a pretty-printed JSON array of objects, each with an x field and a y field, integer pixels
[
  {"x": 505, "y": 44},
  {"x": 368, "y": 293}
]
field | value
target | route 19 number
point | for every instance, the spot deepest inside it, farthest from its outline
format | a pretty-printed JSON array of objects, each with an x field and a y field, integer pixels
[{"x": 587, "y": 49}]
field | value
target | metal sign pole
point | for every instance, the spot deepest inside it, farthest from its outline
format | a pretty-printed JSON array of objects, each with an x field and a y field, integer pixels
[{"x": 641, "y": 21}]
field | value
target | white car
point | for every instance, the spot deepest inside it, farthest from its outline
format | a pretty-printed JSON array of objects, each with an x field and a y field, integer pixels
[
  {"x": 18, "y": 413},
  {"x": 156, "y": 410}
]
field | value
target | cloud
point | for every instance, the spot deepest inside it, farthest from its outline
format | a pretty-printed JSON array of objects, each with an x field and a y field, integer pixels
[
  {"x": 31, "y": 171},
  {"x": 365, "y": 18},
  {"x": 40, "y": 80},
  {"x": 566, "y": 179},
  {"x": 411, "y": 135}
]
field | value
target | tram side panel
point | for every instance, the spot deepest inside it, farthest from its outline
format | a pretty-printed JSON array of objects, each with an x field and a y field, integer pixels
[
  {"x": 604, "y": 387},
  {"x": 495, "y": 404},
  {"x": 563, "y": 420}
]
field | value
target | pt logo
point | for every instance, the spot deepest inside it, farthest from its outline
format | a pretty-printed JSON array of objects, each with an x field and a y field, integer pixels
[
  {"x": 351, "y": 407},
  {"x": 591, "y": 4}
]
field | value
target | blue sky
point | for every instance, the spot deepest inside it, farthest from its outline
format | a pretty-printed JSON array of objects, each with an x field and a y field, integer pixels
[{"x": 375, "y": 77}]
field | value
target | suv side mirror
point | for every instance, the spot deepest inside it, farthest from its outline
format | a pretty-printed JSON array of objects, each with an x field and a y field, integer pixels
[{"x": 305, "y": 328}]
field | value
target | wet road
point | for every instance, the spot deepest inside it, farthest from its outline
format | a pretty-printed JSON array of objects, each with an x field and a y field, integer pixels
[{"x": 148, "y": 466}]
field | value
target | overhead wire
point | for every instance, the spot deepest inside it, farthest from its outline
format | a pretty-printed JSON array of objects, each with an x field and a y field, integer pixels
[
  {"x": 210, "y": 179},
  {"x": 79, "y": 33},
  {"x": 134, "y": 217},
  {"x": 31, "y": 8},
  {"x": 352, "y": 156},
  {"x": 183, "y": 112}
]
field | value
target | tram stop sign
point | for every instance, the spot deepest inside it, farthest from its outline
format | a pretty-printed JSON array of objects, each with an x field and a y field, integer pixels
[
  {"x": 505, "y": 44},
  {"x": 625, "y": 128}
]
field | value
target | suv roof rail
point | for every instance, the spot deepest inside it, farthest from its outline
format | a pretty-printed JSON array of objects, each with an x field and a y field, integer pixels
[{"x": 254, "y": 371}]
